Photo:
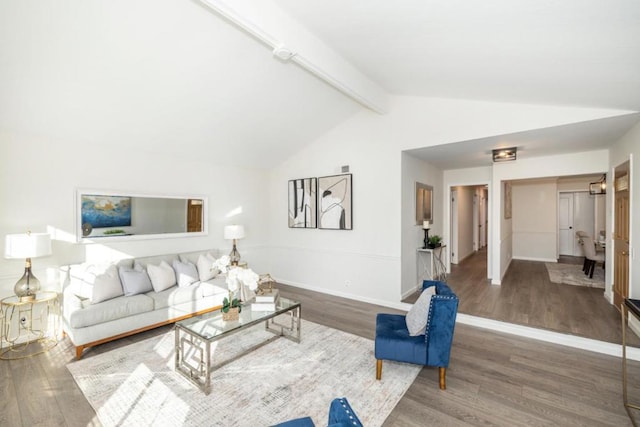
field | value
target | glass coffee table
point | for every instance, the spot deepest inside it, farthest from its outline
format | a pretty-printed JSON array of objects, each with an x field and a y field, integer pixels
[{"x": 193, "y": 336}]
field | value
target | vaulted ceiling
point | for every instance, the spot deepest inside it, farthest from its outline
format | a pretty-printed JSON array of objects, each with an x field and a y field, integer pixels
[{"x": 176, "y": 76}]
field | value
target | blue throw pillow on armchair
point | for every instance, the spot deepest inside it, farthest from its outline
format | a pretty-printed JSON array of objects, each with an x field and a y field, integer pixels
[{"x": 341, "y": 414}]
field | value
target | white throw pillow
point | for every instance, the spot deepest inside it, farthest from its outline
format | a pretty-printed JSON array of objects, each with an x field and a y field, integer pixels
[
  {"x": 162, "y": 276},
  {"x": 205, "y": 267},
  {"x": 186, "y": 272},
  {"x": 106, "y": 286},
  {"x": 417, "y": 317}
]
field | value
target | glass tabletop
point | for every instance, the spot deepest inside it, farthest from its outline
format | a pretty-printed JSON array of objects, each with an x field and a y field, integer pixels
[
  {"x": 210, "y": 326},
  {"x": 39, "y": 297}
]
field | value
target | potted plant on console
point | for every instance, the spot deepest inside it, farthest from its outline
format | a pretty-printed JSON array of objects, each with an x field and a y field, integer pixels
[
  {"x": 435, "y": 241},
  {"x": 237, "y": 277}
]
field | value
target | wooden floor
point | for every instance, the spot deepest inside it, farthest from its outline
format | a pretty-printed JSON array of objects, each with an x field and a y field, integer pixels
[
  {"x": 493, "y": 379},
  {"x": 527, "y": 297}
]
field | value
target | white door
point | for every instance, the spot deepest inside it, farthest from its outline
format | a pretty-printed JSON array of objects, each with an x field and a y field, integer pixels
[
  {"x": 476, "y": 220},
  {"x": 576, "y": 212},
  {"x": 584, "y": 206},
  {"x": 565, "y": 224},
  {"x": 483, "y": 218}
]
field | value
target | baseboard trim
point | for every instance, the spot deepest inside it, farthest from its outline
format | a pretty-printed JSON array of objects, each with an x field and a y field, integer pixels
[
  {"x": 398, "y": 306},
  {"x": 567, "y": 340},
  {"x": 524, "y": 258}
]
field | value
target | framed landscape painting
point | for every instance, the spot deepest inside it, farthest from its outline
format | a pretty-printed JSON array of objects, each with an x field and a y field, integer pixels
[
  {"x": 335, "y": 202},
  {"x": 106, "y": 211},
  {"x": 302, "y": 203}
]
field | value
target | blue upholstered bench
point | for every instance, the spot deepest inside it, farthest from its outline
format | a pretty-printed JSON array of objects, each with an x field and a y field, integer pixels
[
  {"x": 340, "y": 415},
  {"x": 433, "y": 348}
]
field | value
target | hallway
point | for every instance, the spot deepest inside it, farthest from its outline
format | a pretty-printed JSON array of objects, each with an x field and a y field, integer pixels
[{"x": 527, "y": 297}]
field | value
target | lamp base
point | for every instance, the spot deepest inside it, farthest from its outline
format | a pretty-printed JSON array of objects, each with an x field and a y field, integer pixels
[
  {"x": 426, "y": 238},
  {"x": 28, "y": 284},
  {"x": 234, "y": 255}
]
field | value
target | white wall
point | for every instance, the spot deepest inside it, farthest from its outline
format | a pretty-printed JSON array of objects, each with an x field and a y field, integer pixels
[
  {"x": 628, "y": 148},
  {"x": 367, "y": 262},
  {"x": 41, "y": 197},
  {"x": 416, "y": 170},
  {"x": 535, "y": 220}
]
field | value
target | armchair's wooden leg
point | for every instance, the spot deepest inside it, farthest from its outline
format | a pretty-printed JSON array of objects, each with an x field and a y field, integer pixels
[
  {"x": 79, "y": 352},
  {"x": 443, "y": 378},
  {"x": 378, "y": 369}
]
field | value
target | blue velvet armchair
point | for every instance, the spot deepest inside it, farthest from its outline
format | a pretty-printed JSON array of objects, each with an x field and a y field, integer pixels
[{"x": 393, "y": 341}]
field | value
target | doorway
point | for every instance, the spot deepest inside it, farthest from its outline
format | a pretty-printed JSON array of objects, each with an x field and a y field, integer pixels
[
  {"x": 468, "y": 221},
  {"x": 576, "y": 212}
]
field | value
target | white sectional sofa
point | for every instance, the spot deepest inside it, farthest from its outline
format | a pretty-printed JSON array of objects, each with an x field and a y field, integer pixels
[{"x": 94, "y": 312}]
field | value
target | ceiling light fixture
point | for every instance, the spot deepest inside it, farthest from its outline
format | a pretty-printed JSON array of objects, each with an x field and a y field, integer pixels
[
  {"x": 504, "y": 154},
  {"x": 599, "y": 187}
]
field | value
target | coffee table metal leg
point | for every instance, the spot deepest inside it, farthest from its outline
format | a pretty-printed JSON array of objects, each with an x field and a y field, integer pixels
[
  {"x": 189, "y": 348},
  {"x": 291, "y": 330}
]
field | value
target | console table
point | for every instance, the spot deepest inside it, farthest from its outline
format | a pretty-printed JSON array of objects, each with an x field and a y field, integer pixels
[
  {"x": 431, "y": 264},
  {"x": 628, "y": 306},
  {"x": 25, "y": 325}
]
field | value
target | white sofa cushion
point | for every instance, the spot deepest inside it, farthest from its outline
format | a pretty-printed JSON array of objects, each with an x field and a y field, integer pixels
[
  {"x": 162, "y": 276},
  {"x": 186, "y": 273},
  {"x": 106, "y": 286},
  {"x": 106, "y": 311},
  {"x": 175, "y": 295},
  {"x": 95, "y": 282},
  {"x": 215, "y": 286},
  {"x": 205, "y": 267}
]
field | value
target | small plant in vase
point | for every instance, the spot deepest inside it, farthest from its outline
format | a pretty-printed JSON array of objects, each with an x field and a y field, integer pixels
[
  {"x": 237, "y": 278},
  {"x": 435, "y": 241}
]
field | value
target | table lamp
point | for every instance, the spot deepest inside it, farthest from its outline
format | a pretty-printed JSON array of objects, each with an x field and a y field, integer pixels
[
  {"x": 29, "y": 245},
  {"x": 426, "y": 225},
  {"x": 234, "y": 232}
]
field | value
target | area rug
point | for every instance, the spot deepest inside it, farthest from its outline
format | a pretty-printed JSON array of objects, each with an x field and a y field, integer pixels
[
  {"x": 136, "y": 385},
  {"x": 572, "y": 274}
]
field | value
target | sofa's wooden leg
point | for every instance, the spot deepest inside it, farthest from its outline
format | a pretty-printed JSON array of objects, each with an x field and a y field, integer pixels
[
  {"x": 443, "y": 378},
  {"x": 378, "y": 369},
  {"x": 79, "y": 352}
]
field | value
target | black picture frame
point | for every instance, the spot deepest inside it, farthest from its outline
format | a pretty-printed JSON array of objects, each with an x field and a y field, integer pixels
[
  {"x": 303, "y": 211},
  {"x": 335, "y": 202}
]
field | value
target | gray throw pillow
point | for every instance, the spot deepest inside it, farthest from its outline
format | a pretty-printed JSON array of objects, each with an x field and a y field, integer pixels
[
  {"x": 186, "y": 272},
  {"x": 134, "y": 281},
  {"x": 417, "y": 317}
]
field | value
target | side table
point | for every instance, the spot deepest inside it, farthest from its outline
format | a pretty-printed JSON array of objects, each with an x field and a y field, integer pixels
[
  {"x": 25, "y": 325},
  {"x": 432, "y": 262}
]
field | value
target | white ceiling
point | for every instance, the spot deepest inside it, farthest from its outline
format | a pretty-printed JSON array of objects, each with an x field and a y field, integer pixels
[
  {"x": 175, "y": 77},
  {"x": 568, "y": 52},
  {"x": 574, "y": 138}
]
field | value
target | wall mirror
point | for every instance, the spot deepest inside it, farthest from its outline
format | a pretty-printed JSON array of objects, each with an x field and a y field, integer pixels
[
  {"x": 107, "y": 215},
  {"x": 424, "y": 203}
]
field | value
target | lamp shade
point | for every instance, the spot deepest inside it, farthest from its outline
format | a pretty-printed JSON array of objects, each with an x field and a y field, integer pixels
[
  {"x": 234, "y": 232},
  {"x": 28, "y": 245}
]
